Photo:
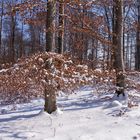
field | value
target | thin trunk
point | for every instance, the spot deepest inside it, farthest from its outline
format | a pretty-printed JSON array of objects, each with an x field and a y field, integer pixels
[
  {"x": 21, "y": 43},
  {"x": 126, "y": 52},
  {"x": 61, "y": 26},
  {"x": 131, "y": 52},
  {"x": 33, "y": 39},
  {"x": 104, "y": 57},
  {"x": 113, "y": 38},
  {"x": 1, "y": 26},
  {"x": 137, "y": 55},
  {"x": 12, "y": 38},
  {"x": 109, "y": 36},
  {"x": 93, "y": 54},
  {"x": 22, "y": 53}
]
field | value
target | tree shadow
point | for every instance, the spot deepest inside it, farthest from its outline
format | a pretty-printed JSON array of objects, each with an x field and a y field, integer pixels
[
  {"x": 83, "y": 102},
  {"x": 17, "y": 117},
  {"x": 35, "y": 108}
]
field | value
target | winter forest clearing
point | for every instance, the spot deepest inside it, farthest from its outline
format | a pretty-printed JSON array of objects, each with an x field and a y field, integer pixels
[
  {"x": 84, "y": 115},
  {"x": 69, "y": 69}
]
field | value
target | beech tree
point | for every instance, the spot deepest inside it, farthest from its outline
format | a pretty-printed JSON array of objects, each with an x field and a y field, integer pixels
[
  {"x": 118, "y": 46},
  {"x": 50, "y": 25},
  {"x": 50, "y": 95},
  {"x": 89, "y": 31}
]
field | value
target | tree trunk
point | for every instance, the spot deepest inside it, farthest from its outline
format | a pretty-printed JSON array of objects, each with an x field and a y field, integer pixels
[
  {"x": 61, "y": 26},
  {"x": 118, "y": 46},
  {"x": 33, "y": 39},
  {"x": 1, "y": 26},
  {"x": 21, "y": 42},
  {"x": 50, "y": 100},
  {"x": 50, "y": 97},
  {"x": 12, "y": 39},
  {"x": 137, "y": 54},
  {"x": 50, "y": 25},
  {"x": 49, "y": 92},
  {"x": 109, "y": 36}
]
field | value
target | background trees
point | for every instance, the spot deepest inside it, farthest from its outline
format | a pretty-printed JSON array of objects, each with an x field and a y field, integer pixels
[
  {"x": 84, "y": 29},
  {"x": 103, "y": 34}
]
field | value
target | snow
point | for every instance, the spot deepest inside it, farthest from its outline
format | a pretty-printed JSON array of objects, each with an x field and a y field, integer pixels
[
  {"x": 116, "y": 103},
  {"x": 57, "y": 112},
  {"x": 3, "y": 70},
  {"x": 80, "y": 116}
]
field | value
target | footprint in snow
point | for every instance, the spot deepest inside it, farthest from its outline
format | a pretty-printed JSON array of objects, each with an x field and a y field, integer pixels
[{"x": 26, "y": 135}]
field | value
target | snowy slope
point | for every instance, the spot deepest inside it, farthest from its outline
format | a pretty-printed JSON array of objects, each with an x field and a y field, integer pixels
[{"x": 85, "y": 117}]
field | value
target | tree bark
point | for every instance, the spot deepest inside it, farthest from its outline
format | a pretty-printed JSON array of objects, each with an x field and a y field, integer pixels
[
  {"x": 109, "y": 36},
  {"x": 118, "y": 46},
  {"x": 1, "y": 22},
  {"x": 50, "y": 100},
  {"x": 21, "y": 42},
  {"x": 12, "y": 38},
  {"x": 49, "y": 92},
  {"x": 61, "y": 28},
  {"x": 137, "y": 54},
  {"x": 50, "y": 25}
]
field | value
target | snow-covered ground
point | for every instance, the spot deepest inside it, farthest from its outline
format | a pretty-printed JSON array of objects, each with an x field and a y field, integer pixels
[{"x": 85, "y": 117}]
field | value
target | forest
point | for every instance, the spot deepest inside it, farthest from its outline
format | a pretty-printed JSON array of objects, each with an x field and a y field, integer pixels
[
  {"x": 56, "y": 52},
  {"x": 83, "y": 29}
]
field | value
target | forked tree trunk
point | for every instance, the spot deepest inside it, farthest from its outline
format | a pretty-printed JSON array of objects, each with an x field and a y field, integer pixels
[
  {"x": 50, "y": 100},
  {"x": 118, "y": 46}
]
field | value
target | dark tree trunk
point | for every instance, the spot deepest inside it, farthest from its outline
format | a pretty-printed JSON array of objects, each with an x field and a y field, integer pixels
[
  {"x": 1, "y": 26},
  {"x": 49, "y": 92},
  {"x": 113, "y": 38},
  {"x": 50, "y": 100},
  {"x": 61, "y": 26},
  {"x": 50, "y": 25},
  {"x": 12, "y": 39},
  {"x": 50, "y": 97},
  {"x": 137, "y": 55},
  {"x": 33, "y": 39},
  {"x": 21, "y": 43},
  {"x": 118, "y": 46},
  {"x": 109, "y": 36}
]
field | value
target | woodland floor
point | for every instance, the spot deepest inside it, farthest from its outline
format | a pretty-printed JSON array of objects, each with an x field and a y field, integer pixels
[{"x": 83, "y": 116}]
